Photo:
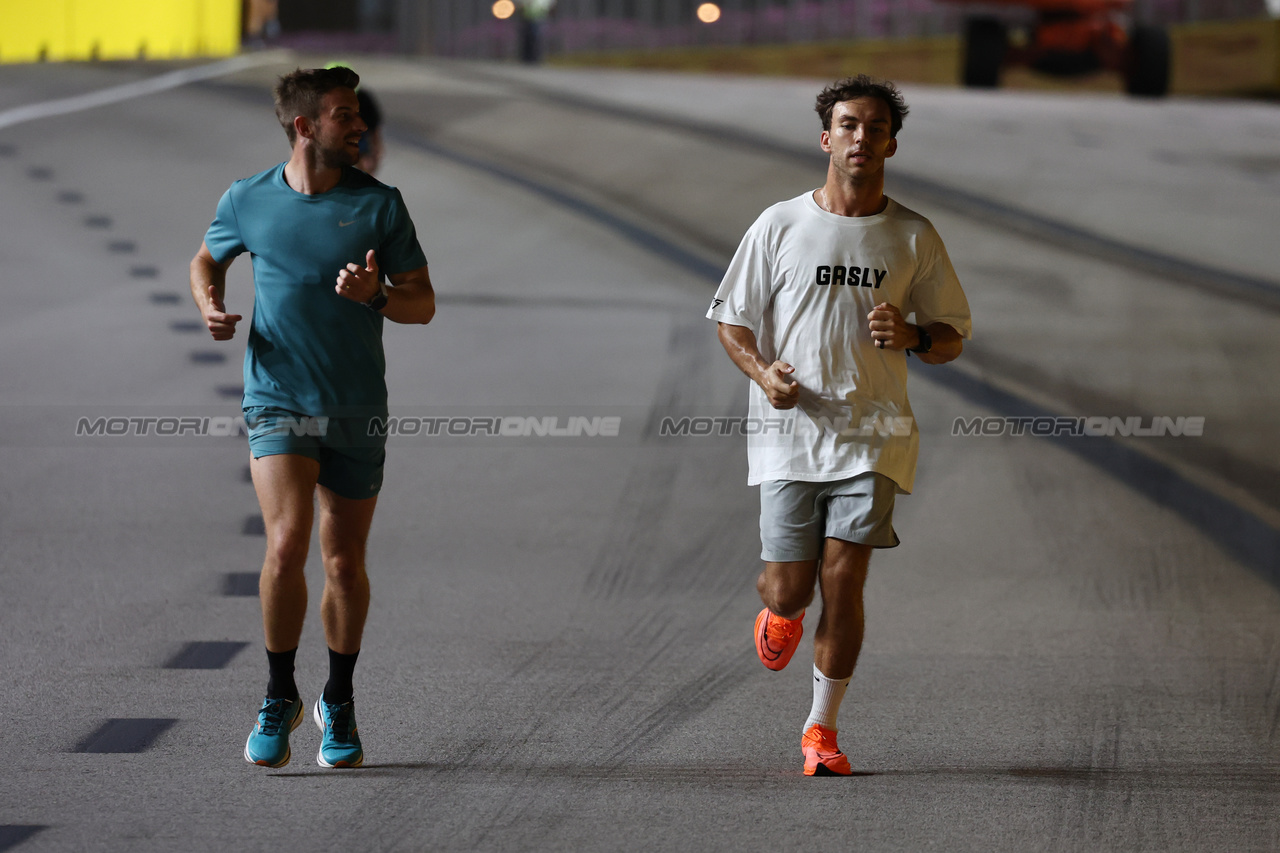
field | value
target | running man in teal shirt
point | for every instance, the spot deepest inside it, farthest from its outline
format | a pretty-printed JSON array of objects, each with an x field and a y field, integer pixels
[{"x": 334, "y": 252}]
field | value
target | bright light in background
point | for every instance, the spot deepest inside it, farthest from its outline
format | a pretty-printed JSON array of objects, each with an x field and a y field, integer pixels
[
  {"x": 504, "y": 9},
  {"x": 708, "y": 13}
]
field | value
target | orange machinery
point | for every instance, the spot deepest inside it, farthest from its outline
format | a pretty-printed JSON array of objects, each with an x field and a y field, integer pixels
[{"x": 1066, "y": 38}]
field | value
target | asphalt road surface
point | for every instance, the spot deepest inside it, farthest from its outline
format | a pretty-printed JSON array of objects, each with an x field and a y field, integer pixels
[{"x": 1077, "y": 646}]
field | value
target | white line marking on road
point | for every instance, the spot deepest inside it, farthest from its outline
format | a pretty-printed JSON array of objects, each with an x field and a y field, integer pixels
[{"x": 137, "y": 89}]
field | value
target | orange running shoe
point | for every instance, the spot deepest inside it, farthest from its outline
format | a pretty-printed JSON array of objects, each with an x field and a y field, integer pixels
[
  {"x": 821, "y": 755},
  {"x": 777, "y": 638}
]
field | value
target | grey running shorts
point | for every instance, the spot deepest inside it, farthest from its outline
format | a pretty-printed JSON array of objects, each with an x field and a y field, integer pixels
[
  {"x": 351, "y": 460},
  {"x": 796, "y": 516}
]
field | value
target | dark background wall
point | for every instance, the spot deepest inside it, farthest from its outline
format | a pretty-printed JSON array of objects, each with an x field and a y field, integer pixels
[{"x": 319, "y": 15}]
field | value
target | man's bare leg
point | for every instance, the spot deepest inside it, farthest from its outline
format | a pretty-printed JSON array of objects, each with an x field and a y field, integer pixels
[
  {"x": 838, "y": 640},
  {"x": 285, "y": 484},
  {"x": 836, "y": 645},
  {"x": 344, "y": 532},
  {"x": 787, "y": 588}
]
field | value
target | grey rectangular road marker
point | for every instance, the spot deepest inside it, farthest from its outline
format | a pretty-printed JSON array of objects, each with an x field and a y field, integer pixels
[
  {"x": 12, "y": 835},
  {"x": 213, "y": 654},
  {"x": 125, "y": 735},
  {"x": 240, "y": 583},
  {"x": 253, "y": 526}
]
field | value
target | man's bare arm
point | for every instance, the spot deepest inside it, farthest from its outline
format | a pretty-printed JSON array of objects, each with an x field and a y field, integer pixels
[
  {"x": 890, "y": 331},
  {"x": 775, "y": 379},
  {"x": 410, "y": 299},
  {"x": 208, "y": 288},
  {"x": 947, "y": 344}
]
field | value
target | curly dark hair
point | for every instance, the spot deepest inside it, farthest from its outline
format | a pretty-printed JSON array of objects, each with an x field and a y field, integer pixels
[
  {"x": 300, "y": 93},
  {"x": 862, "y": 86}
]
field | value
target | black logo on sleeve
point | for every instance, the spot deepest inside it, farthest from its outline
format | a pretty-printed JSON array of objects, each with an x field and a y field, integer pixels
[{"x": 838, "y": 276}]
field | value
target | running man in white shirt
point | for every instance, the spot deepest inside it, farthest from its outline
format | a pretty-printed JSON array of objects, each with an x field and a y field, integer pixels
[{"x": 814, "y": 309}]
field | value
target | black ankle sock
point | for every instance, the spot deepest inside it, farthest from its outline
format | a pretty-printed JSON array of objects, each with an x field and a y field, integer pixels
[
  {"x": 280, "y": 684},
  {"x": 338, "y": 688}
]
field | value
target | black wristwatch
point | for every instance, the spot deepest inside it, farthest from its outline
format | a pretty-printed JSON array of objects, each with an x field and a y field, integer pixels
[
  {"x": 926, "y": 342},
  {"x": 379, "y": 300}
]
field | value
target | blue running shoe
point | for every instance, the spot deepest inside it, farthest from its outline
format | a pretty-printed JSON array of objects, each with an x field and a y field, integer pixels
[
  {"x": 340, "y": 740},
  {"x": 268, "y": 743}
]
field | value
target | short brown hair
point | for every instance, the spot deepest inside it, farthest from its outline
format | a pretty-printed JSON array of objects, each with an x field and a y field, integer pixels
[
  {"x": 862, "y": 86},
  {"x": 300, "y": 93}
]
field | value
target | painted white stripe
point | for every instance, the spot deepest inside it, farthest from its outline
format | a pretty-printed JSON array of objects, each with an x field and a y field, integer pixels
[{"x": 138, "y": 89}]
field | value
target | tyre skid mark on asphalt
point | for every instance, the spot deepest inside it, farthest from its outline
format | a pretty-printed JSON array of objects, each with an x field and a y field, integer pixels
[
  {"x": 607, "y": 750},
  {"x": 1273, "y": 704},
  {"x": 1248, "y": 538},
  {"x": 684, "y": 703},
  {"x": 1262, "y": 293},
  {"x": 659, "y": 712},
  {"x": 629, "y": 543},
  {"x": 617, "y": 575},
  {"x": 628, "y": 204},
  {"x": 633, "y": 232},
  {"x": 1250, "y": 541},
  {"x": 1257, "y": 479},
  {"x": 630, "y": 560}
]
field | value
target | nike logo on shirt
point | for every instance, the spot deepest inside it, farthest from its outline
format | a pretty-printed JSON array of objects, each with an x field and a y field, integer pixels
[{"x": 342, "y": 224}]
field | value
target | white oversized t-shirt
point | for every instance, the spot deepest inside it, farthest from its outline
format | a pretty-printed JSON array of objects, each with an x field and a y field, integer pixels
[{"x": 803, "y": 280}]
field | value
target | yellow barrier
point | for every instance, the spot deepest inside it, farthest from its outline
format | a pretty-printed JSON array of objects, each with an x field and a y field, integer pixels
[
  {"x": 1238, "y": 57},
  {"x": 1227, "y": 57},
  {"x": 56, "y": 30}
]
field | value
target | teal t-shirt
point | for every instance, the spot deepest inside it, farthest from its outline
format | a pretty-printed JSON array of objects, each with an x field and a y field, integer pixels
[{"x": 311, "y": 351}]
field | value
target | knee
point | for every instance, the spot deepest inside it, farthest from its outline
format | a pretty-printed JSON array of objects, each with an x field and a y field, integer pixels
[
  {"x": 845, "y": 575},
  {"x": 345, "y": 569},
  {"x": 784, "y": 594},
  {"x": 286, "y": 552}
]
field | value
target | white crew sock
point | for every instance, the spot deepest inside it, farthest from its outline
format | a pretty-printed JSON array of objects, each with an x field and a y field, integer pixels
[{"x": 827, "y": 695}]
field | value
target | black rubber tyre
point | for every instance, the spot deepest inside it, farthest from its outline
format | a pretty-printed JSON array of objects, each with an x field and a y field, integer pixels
[
  {"x": 986, "y": 41},
  {"x": 1147, "y": 66}
]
